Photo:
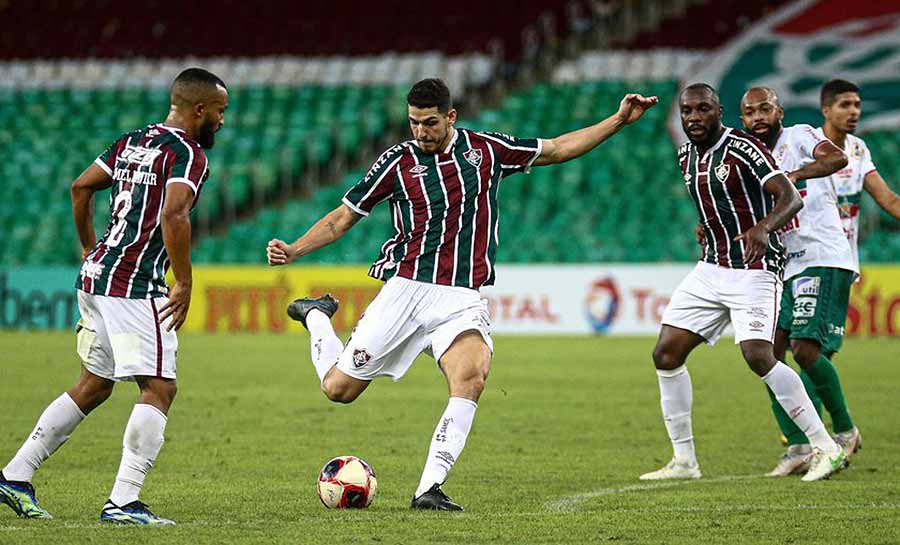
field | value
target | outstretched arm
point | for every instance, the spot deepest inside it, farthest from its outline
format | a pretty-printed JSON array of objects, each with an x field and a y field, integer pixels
[
  {"x": 787, "y": 203},
  {"x": 882, "y": 193},
  {"x": 325, "y": 231},
  {"x": 828, "y": 160},
  {"x": 93, "y": 179},
  {"x": 577, "y": 143}
]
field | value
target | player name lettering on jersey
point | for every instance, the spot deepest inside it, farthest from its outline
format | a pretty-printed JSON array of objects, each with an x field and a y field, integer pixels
[
  {"x": 750, "y": 150},
  {"x": 134, "y": 176},
  {"x": 130, "y": 259},
  {"x": 726, "y": 184}
]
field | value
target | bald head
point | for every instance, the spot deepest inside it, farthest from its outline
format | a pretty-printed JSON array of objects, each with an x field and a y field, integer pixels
[
  {"x": 198, "y": 102},
  {"x": 762, "y": 115},
  {"x": 195, "y": 85},
  {"x": 756, "y": 95},
  {"x": 704, "y": 90}
]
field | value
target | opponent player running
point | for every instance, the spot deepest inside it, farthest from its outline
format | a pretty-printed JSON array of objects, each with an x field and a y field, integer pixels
[
  {"x": 733, "y": 181},
  {"x": 442, "y": 187},
  {"x": 128, "y": 316},
  {"x": 819, "y": 270},
  {"x": 820, "y": 297}
]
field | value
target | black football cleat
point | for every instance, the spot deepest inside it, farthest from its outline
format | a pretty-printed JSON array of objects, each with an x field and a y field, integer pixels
[
  {"x": 301, "y": 307},
  {"x": 435, "y": 500}
]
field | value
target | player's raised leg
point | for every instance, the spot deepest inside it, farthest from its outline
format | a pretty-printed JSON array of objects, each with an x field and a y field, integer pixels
[
  {"x": 53, "y": 428},
  {"x": 466, "y": 365},
  {"x": 325, "y": 347},
  {"x": 676, "y": 398},
  {"x": 828, "y": 457},
  {"x": 143, "y": 439}
]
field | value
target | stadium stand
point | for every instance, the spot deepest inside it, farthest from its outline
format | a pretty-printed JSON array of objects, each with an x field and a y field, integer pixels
[
  {"x": 300, "y": 121},
  {"x": 607, "y": 205},
  {"x": 289, "y": 115}
]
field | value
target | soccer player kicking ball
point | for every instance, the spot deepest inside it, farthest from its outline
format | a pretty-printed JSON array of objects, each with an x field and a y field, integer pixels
[
  {"x": 442, "y": 188},
  {"x": 128, "y": 315},
  {"x": 823, "y": 260},
  {"x": 819, "y": 271},
  {"x": 743, "y": 200}
]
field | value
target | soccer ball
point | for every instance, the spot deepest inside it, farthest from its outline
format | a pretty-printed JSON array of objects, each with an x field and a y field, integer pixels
[{"x": 347, "y": 482}]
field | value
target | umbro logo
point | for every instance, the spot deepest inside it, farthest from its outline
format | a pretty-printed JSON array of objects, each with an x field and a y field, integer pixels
[{"x": 418, "y": 170}]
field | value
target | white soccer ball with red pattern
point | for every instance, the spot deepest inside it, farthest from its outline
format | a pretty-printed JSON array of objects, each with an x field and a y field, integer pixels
[{"x": 347, "y": 482}]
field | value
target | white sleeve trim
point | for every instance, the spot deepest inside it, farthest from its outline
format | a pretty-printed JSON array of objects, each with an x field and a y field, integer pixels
[
  {"x": 770, "y": 175},
  {"x": 540, "y": 149},
  {"x": 103, "y": 165},
  {"x": 353, "y": 207},
  {"x": 185, "y": 181}
]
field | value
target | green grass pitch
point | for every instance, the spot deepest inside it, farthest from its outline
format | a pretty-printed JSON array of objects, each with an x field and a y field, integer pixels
[{"x": 562, "y": 432}]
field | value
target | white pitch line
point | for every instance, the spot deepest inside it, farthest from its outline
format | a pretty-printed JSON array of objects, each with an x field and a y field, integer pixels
[{"x": 568, "y": 504}]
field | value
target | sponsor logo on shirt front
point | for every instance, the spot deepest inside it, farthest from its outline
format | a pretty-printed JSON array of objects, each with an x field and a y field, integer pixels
[{"x": 806, "y": 286}]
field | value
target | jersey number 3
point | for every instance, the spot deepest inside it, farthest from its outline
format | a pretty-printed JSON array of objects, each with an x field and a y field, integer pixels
[{"x": 121, "y": 208}]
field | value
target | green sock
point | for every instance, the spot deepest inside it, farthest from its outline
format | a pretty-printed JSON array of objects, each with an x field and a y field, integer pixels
[
  {"x": 795, "y": 435},
  {"x": 811, "y": 391},
  {"x": 828, "y": 386}
]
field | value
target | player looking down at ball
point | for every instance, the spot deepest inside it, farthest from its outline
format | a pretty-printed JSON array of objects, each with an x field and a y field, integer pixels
[{"x": 442, "y": 190}]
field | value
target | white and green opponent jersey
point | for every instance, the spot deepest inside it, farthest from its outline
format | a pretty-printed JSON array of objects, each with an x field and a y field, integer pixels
[
  {"x": 815, "y": 237},
  {"x": 849, "y": 185}
]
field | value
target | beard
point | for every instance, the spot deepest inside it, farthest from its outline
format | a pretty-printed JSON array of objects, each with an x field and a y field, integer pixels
[
  {"x": 206, "y": 136},
  {"x": 770, "y": 135}
]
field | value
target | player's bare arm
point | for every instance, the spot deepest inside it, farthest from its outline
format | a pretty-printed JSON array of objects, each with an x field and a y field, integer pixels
[
  {"x": 787, "y": 203},
  {"x": 828, "y": 160},
  {"x": 882, "y": 193},
  {"x": 325, "y": 231},
  {"x": 577, "y": 143},
  {"x": 176, "y": 229},
  {"x": 90, "y": 181}
]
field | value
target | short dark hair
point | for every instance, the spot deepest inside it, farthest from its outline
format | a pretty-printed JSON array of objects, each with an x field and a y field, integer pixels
[
  {"x": 835, "y": 87},
  {"x": 703, "y": 87},
  {"x": 194, "y": 76},
  {"x": 429, "y": 93}
]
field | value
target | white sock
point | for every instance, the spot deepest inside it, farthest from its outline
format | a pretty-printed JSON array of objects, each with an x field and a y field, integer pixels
[
  {"x": 447, "y": 442},
  {"x": 676, "y": 395},
  {"x": 144, "y": 436},
  {"x": 325, "y": 346},
  {"x": 789, "y": 391},
  {"x": 53, "y": 428}
]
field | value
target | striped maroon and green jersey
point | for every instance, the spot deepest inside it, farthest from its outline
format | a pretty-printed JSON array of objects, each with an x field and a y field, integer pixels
[
  {"x": 726, "y": 184},
  {"x": 443, "y": 206},
  {"x": 130, "y": 259}
]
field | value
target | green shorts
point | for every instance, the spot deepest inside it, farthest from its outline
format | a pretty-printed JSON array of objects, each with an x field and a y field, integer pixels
[{"x": 814, "y": 306}]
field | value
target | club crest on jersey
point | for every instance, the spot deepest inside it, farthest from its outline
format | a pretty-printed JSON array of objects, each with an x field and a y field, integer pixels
[
  {"x": 361, "y": 357},
  {"x": 473, "y": 156},
  {"x": 722, "y": 171}
]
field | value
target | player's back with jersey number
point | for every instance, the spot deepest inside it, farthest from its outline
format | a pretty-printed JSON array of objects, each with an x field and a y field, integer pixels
[{"x": 130, "y": 258}]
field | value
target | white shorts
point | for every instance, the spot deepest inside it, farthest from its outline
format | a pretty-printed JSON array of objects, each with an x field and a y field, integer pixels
[
  {"x": 711, "y": 297},
  {"x": 119, "y": 339},
  {"x": 408, "y": 318}
]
